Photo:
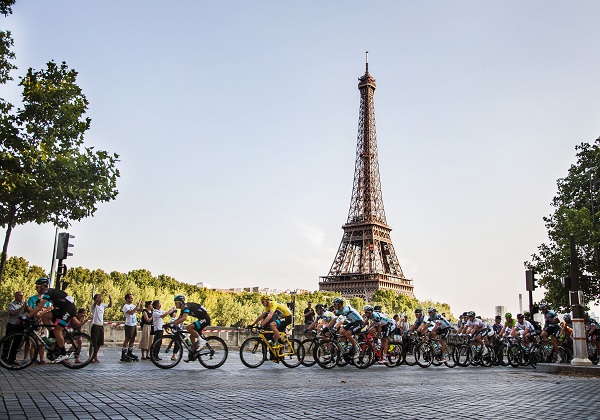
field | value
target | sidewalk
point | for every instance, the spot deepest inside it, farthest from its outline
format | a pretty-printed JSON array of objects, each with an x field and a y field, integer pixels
[{"x": 563, "y": 368}]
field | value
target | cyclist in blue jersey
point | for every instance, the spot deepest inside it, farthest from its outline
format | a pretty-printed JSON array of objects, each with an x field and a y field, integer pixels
[
  {"x": 592, "y": 330},
  {"x": 64, "y": 310},
  {"x": 352, "y": 324},
  {"x": 551, "y": 326},
  {"x": 420, "y": 321},
  {"x": 379, "y": 327}
]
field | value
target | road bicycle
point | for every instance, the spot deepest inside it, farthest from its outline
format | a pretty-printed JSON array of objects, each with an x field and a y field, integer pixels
[
  {"x": 167, "y": 352},
  {"x": 20, "y": 349},
  {"x": 429, "y": 351},
  {"x": 254, "y": 351},
  {"x": 370, "y": 352},
  {"x": 310, "y": 344}
]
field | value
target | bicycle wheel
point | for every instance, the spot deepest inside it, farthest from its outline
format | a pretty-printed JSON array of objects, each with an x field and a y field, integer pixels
[
  {"x": 424, "y": 355},
  {"x": 515, "y": 355},
  {"x": 536, "y": 355},
  {"x": 292, "y": 353},
  {"x": 214, "y": 352},
  {"x": 326, "y": 355},
  {"x": 408, "y": 357},
  {"x": 309, "y": 352},
  {"x": 80, "y": 350},
  {"x": 19, "y": 350},
  {"x": 564, "y": 354},
  {"x": 450, "y": 356},
  {"x": 502, "y": 355},
  {"x": 253, "y": 352},
  {"x": 394, "y": 354},
  {"x": 166, "y": 352},
  {"x": 363, "y": 358},
  {"x": 487, "y": 356},
  {"x": 462, "y": 355}
]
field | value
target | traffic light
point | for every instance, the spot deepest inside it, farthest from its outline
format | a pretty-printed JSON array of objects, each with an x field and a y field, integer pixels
[
  {"x": 530, "y": 280},
  {"x": 62, "y": 246}
]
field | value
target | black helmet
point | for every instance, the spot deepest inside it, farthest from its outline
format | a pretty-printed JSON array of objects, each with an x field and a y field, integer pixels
[
  {"x": 319, "y": 306},
  {"x": 418, "y": 311},
  {"x": 42, "y": 280},
  {"x": 377, "y": 308}
]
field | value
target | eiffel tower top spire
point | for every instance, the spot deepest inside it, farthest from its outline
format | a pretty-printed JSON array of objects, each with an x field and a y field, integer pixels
[{"x": 366, "y": 204}]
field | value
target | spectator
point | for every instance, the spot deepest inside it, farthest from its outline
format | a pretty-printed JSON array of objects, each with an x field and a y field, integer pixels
[
  {"x": 16, "y": 310},
  {"x": 97, "y": 331},
  {"x": 76, "y": 323},
  {"x": 158, "y": 322},
  {"x": 146, "y": 324},
  {"x": 309, "y": 314},
  {"x": 130, "y": 310}
]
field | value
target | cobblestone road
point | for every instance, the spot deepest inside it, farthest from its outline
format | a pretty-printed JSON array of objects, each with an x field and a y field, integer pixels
[{"x": 111, "y": 390}]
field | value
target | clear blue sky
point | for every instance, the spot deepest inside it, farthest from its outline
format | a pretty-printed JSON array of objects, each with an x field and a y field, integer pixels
[{"x": 236, "y": 123}]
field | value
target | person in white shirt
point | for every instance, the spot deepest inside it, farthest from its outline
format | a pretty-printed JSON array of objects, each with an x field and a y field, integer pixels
[
  {"x": 158, "y": 321},
  {"x": 130, "y": 310},
  {"x": 97, "y": 330}
]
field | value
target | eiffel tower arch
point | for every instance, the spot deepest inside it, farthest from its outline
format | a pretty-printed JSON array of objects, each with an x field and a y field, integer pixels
[{"x": 366, "y": 261}]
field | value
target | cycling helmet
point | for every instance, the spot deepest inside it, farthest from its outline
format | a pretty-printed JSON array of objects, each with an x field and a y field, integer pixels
[
  {"x": 471, "y": 314},
  {"x": 377, "y": 308},
  {"x": 368, "y": 308},
  {"x": 179, "y": 297},
  {"x": 265, "y": 298},
  {"x": 319, "y": 306},
  {"x": 498, "y": 317},
  {"x": 520, "y": 315},
  {"x": 338, "y": 300},
  {"x": 543, "y": 305},
  {"x": 431, "y": 309},
  {"x": 42, "y": 280},
  {"x": 508, "y": 315},
  {"x": 418, "y": 311},
  {"x": 566, "y": 317},
  {"x": 526, "y": 314}
]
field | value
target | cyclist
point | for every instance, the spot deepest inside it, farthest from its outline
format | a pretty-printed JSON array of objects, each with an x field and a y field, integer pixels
[
  {"x": 275, "y": 316},
  {"x": 523, "y": 328},
  {"x": 322, "y": 318},
  {"x": 592, "y": 330},
  {"x": 380, "y": 326},
  {"x": 353, "y": 321},
  {"x": 64, "y": 310},
  {"x": 438, "y": 325},
  {"x": 475, "y": 328},
  {"x": 509, "y": 324},
  {"x": 420, "y": 321},
  {"x": 551, "y": 327},
  {"x": 195, "y": 328},
  {"x": 537, "y": 328}
]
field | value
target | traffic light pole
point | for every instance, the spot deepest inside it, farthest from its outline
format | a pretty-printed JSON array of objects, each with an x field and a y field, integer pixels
[{"x": 579, "y": 341}]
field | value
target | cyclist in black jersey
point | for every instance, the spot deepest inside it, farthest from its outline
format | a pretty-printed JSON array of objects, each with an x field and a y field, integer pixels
[
  {"x": 64, "y": 310},
  {"x": 195, "y": 328}
]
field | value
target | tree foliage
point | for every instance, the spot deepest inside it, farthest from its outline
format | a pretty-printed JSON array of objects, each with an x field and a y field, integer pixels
[
  {"x": 47, "y": 174},
  {"x": 227, "y": 309},
  {"x": 575, "y": 212}
]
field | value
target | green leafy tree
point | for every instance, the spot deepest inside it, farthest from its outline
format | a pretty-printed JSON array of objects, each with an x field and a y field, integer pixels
[
  {"x": 47, "y": 174},
  {"x": 575, "y": 212}
]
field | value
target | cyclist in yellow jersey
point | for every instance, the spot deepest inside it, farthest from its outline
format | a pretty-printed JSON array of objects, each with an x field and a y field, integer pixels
[{"x": 276, "y": 316}]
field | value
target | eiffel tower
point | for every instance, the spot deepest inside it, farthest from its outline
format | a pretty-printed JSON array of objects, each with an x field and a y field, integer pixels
[{"x": 366, "y": 261}]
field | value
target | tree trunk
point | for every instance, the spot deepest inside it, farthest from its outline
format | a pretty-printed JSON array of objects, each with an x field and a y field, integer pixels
[{"x": 9, "y": 227}]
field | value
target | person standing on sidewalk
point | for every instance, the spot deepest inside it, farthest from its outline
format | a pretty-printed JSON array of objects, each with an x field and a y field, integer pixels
[
  {"x": 309, "y": 314},
  {"x": 158, "y": 321},
  {"x": 16, "y": 310},
  {"x": 97, "y": 330},
  {"x": 130, "y": 310},
  {"x": 146, "y": 324}
]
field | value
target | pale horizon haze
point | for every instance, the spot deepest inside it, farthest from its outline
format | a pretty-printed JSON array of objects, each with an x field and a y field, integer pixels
[{"x": 236, "y": 125}]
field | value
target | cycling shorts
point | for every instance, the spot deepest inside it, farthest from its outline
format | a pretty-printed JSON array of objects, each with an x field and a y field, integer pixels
[
  {"x": 354, "y": 326},
  {"x": 201, "y": 323},
  {"x": 61, "y": 316},
  {"x": 552, "y": 329}
]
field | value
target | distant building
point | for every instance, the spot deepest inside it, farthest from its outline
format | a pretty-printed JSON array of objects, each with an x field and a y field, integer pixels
[
  {"x": 203, "y": 285},
  {"x": 500, "y": 310}
]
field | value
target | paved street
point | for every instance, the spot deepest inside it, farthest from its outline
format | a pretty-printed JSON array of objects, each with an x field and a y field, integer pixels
[{"x": 140, "y": 390}]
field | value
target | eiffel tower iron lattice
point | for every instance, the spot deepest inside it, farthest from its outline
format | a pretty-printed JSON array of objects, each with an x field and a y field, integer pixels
[{"x": 366, "y": 261}]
